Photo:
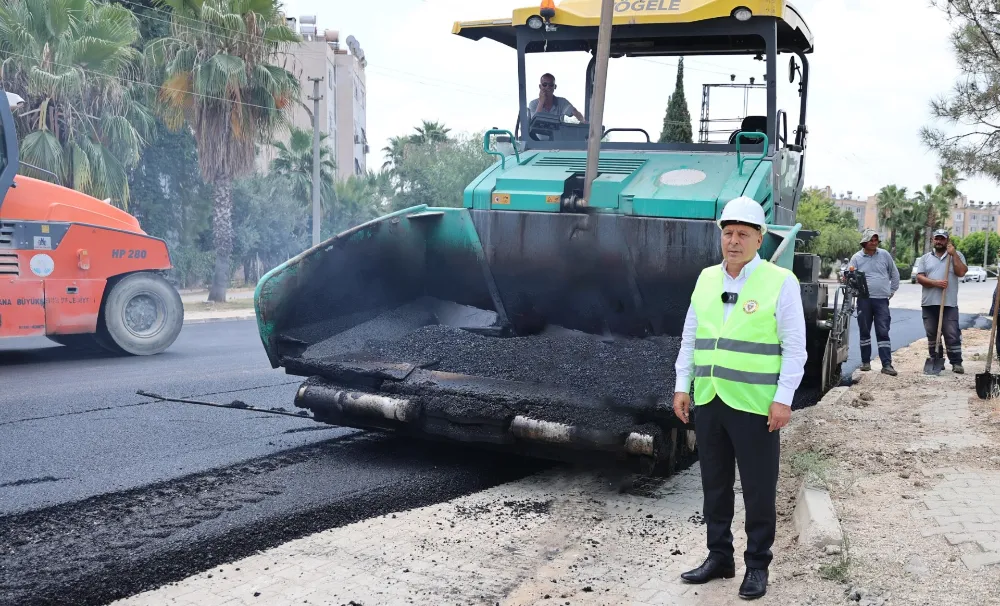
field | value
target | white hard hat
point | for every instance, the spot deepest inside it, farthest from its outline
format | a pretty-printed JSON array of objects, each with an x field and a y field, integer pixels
[{"x": 744, "y": 210}]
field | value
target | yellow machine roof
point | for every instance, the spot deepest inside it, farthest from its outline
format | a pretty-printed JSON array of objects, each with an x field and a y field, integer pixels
[{"x": 587, "y": 13}]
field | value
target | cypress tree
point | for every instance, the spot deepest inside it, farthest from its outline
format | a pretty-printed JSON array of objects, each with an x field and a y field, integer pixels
[{"x": 677, "y": 122}]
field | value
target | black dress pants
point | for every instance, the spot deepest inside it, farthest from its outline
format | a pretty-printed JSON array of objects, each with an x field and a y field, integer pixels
[{"x": 727, "y": 437}]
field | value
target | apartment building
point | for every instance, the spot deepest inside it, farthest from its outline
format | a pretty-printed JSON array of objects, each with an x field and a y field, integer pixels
[
  {"x": 969, "y": 216},
  {"x": 965, "y": 216},
  {"x": 342, "y": 108},
  {"x": 864, "y": 209}
]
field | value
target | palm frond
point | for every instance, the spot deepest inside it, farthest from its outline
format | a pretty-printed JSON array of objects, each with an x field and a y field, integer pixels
[{"x": 42, "y": 149}]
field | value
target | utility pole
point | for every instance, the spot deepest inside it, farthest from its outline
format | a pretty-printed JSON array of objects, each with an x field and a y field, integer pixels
[
  {"x": 600, "y": 84},
  {"x": 986, "y": 241},
  {"x": 315, "y": 98}
]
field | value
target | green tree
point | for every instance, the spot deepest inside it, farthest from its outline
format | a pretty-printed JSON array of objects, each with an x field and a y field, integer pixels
[
  {"x": 677, "y": 122},
  {"x": 172, "y": 202},
  {"x": 838, "y": 228},
  {"x": 972, "y": 246},
  {"x": 295, "y": 161},
  {"x": 973, "y": 106},
  {"x": 73, "y": 62},
  {"x": 220, "y": 79},
  {"x": 269, "y": 224},
  {"x": 892, "y": 203},
  {"x": 438, "y": 174}
]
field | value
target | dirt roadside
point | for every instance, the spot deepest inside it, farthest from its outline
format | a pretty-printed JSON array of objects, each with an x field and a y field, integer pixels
[{"x": 912, "y": 464}]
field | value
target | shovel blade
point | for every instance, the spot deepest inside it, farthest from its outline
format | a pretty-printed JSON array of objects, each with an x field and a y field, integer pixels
[
  {"x": 987, "y": 385},
  {"x": 933, "y": 366}
]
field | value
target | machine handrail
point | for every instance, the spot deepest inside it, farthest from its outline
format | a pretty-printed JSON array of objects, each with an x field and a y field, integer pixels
[
  {"x": 503, "y": 159},
  {"x": 640, "y": 130},
  {"x": 759, "y": 159},
  {"x": 788, "y": 237}
]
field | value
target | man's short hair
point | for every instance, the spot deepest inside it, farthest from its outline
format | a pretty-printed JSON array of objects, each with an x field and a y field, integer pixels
[
  {"x": 725, "y": 224},
  {"x": 549, "y": 76}
]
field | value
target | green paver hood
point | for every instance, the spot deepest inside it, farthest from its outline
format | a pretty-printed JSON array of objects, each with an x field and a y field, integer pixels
[{"x": 669, "y": 184}]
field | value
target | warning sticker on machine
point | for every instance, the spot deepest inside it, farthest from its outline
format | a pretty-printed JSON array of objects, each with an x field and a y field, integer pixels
[
  {"x": 42, "y": 265},
  {"x": 43, "y": 242}
]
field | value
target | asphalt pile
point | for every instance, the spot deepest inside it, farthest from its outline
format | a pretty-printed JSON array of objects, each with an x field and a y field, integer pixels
[{"x": 622, "y": 371}]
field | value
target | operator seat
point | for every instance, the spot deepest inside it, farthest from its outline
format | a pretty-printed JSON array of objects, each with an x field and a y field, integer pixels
[{"x": 751, "y": 124}]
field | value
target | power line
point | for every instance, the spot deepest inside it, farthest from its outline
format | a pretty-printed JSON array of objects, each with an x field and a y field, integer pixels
[{"x": 308, "y": 52}]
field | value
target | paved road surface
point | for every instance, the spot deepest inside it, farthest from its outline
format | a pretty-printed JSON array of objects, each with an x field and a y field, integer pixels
[
  {"x": 72, "y": 426},
  {"x": 174, "y": 488},
  {"x": 973, "y": 297}
]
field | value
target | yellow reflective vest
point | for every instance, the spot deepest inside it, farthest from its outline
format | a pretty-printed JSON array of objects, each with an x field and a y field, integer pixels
[{"x": 738, "y": 359}]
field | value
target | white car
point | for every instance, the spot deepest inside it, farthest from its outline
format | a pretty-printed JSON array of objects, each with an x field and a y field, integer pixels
[{"x": 975, "y": 274}]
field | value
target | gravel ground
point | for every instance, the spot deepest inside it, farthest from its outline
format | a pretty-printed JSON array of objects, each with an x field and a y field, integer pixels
[{"x": 879, "y": 450}]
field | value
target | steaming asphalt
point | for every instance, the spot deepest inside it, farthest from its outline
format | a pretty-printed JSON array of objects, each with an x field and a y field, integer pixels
[{"x": 104, "y": 493}]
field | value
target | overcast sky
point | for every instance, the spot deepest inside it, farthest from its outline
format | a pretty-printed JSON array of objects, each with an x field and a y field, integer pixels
[{"x": 872, "y": 79}]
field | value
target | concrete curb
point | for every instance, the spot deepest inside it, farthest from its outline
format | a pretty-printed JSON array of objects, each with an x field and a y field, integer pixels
[
  {"x": 832, "y": 397},
  {"x": 815, "y": 518},
  {"x": 220, "y": 319}
]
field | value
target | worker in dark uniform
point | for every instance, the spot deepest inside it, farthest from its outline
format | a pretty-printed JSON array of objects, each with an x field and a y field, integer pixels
[{"x": 744, "y": 344}]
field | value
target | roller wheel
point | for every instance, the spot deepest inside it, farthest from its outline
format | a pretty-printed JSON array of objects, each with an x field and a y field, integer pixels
[
  {"x": 142, "y": 315},
  {"x": 666, "y": 464}
]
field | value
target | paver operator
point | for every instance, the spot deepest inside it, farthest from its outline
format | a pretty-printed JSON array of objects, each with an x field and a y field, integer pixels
[
  {"x": 548, "y": 103},
  {"x": 882, "y": 277},
  {"x": 744, "y": 343},
  {"x": 931, "y": 275}
]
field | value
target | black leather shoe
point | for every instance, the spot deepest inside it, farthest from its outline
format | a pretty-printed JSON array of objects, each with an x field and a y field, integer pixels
[
  {"x": 754, "y": 584},
  {"x": 711, "y": 568}
]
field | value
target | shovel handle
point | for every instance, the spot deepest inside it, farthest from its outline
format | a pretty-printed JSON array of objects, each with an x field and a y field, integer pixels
[
  {"x": 944, "y": 292},
  {"x": 993, "y": 327}
]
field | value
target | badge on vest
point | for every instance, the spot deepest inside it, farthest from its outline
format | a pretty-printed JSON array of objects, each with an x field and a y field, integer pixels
[{"x": 750, "y": 306}]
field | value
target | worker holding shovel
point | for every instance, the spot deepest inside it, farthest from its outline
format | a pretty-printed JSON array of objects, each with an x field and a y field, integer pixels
[{"x": 938, "y": 272}]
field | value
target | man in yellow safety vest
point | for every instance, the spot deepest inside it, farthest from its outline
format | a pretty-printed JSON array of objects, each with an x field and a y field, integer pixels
[{"x": 744, "y": 344}]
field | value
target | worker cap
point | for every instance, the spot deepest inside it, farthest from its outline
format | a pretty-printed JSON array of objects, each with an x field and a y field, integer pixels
[
  {"x": 941, "y": 232},
  {"x": 744, "y": 210},
  {"x": 14, "y": 101},
  {"x": 869, "y": 234}
]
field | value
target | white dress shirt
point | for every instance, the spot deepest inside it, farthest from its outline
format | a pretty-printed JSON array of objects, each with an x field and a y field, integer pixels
[{"x": 791, "y": 334}]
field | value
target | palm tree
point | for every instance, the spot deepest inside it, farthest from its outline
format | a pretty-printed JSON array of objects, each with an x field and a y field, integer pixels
[
  {"x": 219, "y": 79},
  {"x": 430, "y": 132},
  {"x": 295, "y": 161},
  {"x": 891, "y": 206},
  {"x": 935, "y": 202},
  {"x": 914, "y": 219},
  {"x": 359, "y": 200},
  {"x": 394, "y": 152},
  {"x": 73, "y": 63}
]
